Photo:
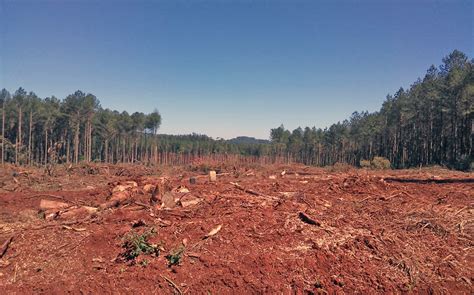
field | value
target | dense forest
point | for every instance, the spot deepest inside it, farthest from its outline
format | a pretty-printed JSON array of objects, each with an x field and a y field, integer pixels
[
  {"x": 77, "y": 129},
  {"x": 429, "y": 123},
  {"x": 74, "y": 129}
]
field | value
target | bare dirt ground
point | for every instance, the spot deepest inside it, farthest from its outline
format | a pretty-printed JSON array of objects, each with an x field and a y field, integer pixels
[{"x": 255, "y": 230}]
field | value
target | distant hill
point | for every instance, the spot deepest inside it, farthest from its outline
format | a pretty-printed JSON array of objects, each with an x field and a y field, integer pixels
[{"x": 248, "y": 140}]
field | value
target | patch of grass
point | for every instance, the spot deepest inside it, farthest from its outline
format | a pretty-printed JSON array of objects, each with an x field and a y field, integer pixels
[{"x": 136, "y": 244}]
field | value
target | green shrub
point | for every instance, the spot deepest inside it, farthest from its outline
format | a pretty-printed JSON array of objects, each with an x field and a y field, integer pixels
[
  {"x": 364, "y": 163},
  {"x": 380, "y": 163},
  {"x": 376, "y": 163}
]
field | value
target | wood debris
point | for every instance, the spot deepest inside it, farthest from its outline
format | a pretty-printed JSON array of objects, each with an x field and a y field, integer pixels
[
  {"x": 213, "y": 232},
  {"x": 252, "y": 192},
  {"x": 305, "y": 218},
  {"x": 5, "y": 246},
  {"x": 212, "y": 176},
  {"x": 74, "y": 228}
]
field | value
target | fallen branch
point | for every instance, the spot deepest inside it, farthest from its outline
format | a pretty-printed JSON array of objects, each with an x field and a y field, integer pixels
[
  {"x": 61, "y": 249},
  {"x": 430, "y": 180},
  {"x": 393, "y": 196},
  {"x": 246, "y": 190},
  {"x": 118, "y": 198},
  {"x": 173, "y": 284},
  {"x": 398, "y": 194},
  {"x": 299, "y": 173},
  {"x": 74, "y": 228},
  {"x": 142, "y": 204},
  {"x": 5, "y": 245},
  {"x": 460, "y": 210},
  {"x": 193, "y": 255},
  {"x": 364, "y": 199},
  {"x": 55, "y": 197},
  {"x": 252, "y": 192},
  {"x": 85, "y": 220}
]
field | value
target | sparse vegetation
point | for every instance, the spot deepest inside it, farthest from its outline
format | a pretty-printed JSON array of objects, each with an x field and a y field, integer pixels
[
  {"x": 136, "y": 244},
  {"x": 201, "y": 241}
]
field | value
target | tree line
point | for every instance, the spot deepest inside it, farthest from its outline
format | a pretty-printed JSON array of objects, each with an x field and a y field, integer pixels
[
  {"x": 40, "y": 131},
  {"x": 429, "y": 123},
  {"x": 43, "y": 131}
]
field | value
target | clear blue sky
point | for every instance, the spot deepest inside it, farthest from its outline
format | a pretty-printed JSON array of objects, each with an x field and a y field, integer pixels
[{"x": 228, "y": 68}]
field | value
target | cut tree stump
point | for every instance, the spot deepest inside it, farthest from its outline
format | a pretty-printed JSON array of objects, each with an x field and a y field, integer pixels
[{"x": 212, "y": 176}]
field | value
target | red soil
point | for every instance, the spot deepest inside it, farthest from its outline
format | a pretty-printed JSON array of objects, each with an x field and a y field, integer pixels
[{"x": 373, "y": 236}]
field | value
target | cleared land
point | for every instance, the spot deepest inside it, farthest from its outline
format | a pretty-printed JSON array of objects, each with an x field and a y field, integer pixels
[{"x": 255, "y": 230}]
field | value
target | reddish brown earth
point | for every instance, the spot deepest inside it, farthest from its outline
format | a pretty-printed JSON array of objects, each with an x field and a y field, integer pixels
[{"x": 370, "y": 236}]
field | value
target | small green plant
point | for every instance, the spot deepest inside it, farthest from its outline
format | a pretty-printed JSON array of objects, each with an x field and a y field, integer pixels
[
  {"x": 135, "y": 244},
  {"x": 175, "y": 255}
]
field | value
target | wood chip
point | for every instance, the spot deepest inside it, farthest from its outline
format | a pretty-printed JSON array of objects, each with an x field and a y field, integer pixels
[{"x": 214, "y": 231}]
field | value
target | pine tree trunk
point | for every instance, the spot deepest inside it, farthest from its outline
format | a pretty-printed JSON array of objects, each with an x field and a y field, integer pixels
[
  {"x": 29, "y": 138},
  {"x": 3, "y": 133},
  {"x": 86, "y": 143},
  {"x": 106, "y": 151},
  {"x": 46, "y": 146},
  {"x": 90, "y": 142},
  {"x": 68, "y": 150},
  {"x": 76, "y": 144},
  {"x": 18, "y": 137}
]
